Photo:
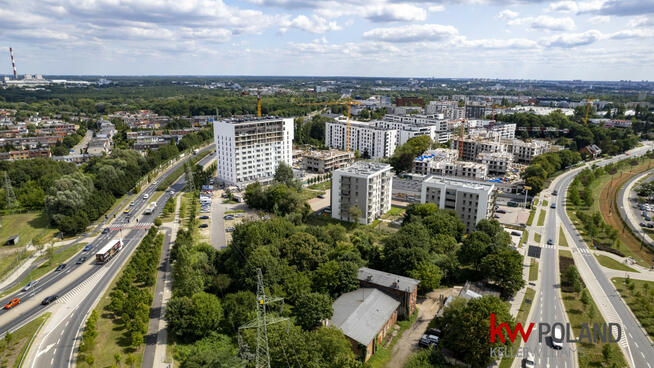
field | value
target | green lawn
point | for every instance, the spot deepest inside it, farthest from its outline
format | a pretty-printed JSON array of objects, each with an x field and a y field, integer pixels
[
  {"x": 532, "y": 213},
  {"x": 590, "y": 354},
  {"x": 12, "y": 351},
  {"x": 533, "y": 270},
  {"x": 537, "y": 237},
  {"x": 563, "y": 242},
  {"x": 28, "y": 226},
  {"x": 325, "y": 185},
  {"x": 544, "y": 202},
  {"x": 523, "y": 312},
  {"x": 565, "y": 253},
  {"x": 639, "y": 296},
  {"x": 609, "y": 262},
  {"x": 525, "y": 237},
  {"x": 541, "y": 218},
  {"x": 382, "y": 355},
  {"x": 394, "y": 212}
]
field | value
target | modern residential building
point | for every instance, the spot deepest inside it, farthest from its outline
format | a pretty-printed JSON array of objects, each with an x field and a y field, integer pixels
[
  {"x": 444, "y": 162},
  {"x": 249, "y": 150},
  {"x": 365, "y": 185},
  {"x": 471, "y": 200},
  {"x": 498, "y": 163},
  {"x": 365, "y": 137},
  {"x": 410, "y": 126},
  {"x": 322, "y": 161},
  {"x": 472, "y": 147},
  {"x": 524, "y": 152},
  {"x": 477, "y": 111},
  {"x": 498, "y": 131},
  {"x": 365, "y": 316},
  {"x": 402, "y": 288}
]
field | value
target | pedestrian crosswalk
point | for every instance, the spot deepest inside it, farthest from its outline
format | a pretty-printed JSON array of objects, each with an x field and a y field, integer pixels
[
  {"x": 549, "y": 246},
  {"x": 583, "y": 251},
  {"x": 82, "y": 288},
  {"x": 140, "y": 225}
]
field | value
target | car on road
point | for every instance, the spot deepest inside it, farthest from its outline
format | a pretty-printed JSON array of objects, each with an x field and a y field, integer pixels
[
  {"x": 428, "y": 341},
  {"x": 49, "y": 299},
  {"x": 529, "y": 361},
  {"x": 12, "y": 303},
  {"x": 204, "y": 226},
  {"x": 556, "y": 192},
  {"x": 60, "y": 267},
  {"x": 30, "y": 285},
  {"x": 87, "y": 248},
  {"x": 557, "y": 337},
  {"x": 105, "y": 230},
  {"x": 550, "y": 242},
  {"x": 172, "y": 192},
  {"x": 553, "y": 205},
  {"x": 205, "y": 217},
  {"x": 230, "y": 229},
  {"x": 321, "y": 196},
  {"x": 146, "y": 196},
  {"x": 133, "y": 203},
  {"x": 126, "y": 210},
  {"x": 81, "y": 260}
]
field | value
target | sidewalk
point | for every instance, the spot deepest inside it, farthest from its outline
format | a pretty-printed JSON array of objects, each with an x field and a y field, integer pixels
[{"x": 157, "y": 337}]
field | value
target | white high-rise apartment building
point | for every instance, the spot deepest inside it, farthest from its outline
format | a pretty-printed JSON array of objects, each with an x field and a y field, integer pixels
[
  {"x": 366, "y": 185},
  {"x": 249, "y": 150},
  {"x": 369, "y": 140},
  {"x": 472, "y": 201}
]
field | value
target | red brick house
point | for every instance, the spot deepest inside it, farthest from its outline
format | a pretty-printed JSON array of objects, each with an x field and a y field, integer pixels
[{"x": 403, "y": 289}]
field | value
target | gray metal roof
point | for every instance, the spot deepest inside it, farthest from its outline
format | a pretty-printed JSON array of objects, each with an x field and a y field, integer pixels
[
  {"x": 388, "y": 280},
  {"x": 362, "y": 313}
]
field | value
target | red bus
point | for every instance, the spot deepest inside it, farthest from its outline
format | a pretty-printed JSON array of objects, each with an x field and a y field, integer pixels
[{"x": 108, "y": 251}]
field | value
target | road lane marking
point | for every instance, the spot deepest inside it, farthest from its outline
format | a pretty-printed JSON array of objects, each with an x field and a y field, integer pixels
[{"x": 44, "y": 350}]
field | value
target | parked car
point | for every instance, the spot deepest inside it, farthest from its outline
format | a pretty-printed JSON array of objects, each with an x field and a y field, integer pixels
[
  {"x": 529, "y": 361},
  {"x": 515, "y": 233},
  {"x": 433, "y": 331},
  {"x": 81, "y": 260},
  {"x": 428, "y": 341},
  {"x": 204, "y": 226},
  {"x": 501, "y": 211},
  {"x": 642, "y": 224},
  {"x": 230, "y": 229},
  {"x": 321, "y": 196},
  {"x": 49, "y": 299},
  {"x": 60, "y": 267},
  {"x": 105, "y": 230},
  {"x": 229, "y": 217},
  {"x": 205, "y": 217},
  {"x": 650, "y": 225},
  {"x": 12, "y": 303},
  {"x": 30, "y": 285},
  {"x": 87, "y": 248},
  {"x": 553, "y": 205},
  {"x": 238, "y": 215}
]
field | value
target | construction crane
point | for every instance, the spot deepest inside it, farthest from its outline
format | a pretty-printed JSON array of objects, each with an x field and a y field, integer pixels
[
  {"x": 246, "y": 93},
  {"x": 349, "y": 104},
  {"x": 461, "y": 126},
  {"x": 492, "y": 121},
  {"x": 588, "y": 101}
]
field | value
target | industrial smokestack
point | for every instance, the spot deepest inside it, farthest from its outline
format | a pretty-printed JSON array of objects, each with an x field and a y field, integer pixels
[{"x": 13, "y": 63}]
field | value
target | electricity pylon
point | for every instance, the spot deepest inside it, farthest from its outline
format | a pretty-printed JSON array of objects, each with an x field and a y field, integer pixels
[
  {"x": 262, "y": 356},
  {"x": 10, "y": 199}
]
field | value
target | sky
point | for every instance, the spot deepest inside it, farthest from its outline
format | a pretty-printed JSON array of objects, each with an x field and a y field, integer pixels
[{"x": 521, "y": 39}]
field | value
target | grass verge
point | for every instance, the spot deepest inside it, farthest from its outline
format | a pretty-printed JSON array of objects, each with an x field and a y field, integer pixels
[
  {"x": 611, "y": 263},
  {"x": 532, "y": 214},
  {"x": 590, "y": 354},
  {"x": 533, "y": 270},
  {"x": 537, "y": 237},
  {"x": 639, "y": 296},
  {"x": 383, "y": 354},
  {"x": 541, "y": 218},
  {"x": 524, "y": 238},
  {"x": 545, "y": 202},
  {"x": 523, "y": 312},
  {"x": 536, "y": 201},
  {"x": 13, "y": 349},
  {"x": 563, "y": 242}
]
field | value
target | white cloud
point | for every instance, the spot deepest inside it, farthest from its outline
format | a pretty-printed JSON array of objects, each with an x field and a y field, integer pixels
[
  {"x": 576, "y": 7},
  {"x": 512, "y": 43},
  {"x": 315, "y": 24},
  {"x": 507, "y": 14},
  {"x": 599, "y": 19},
  {"x": 412, "y": 33},
  {"x": 436, "y": 8},
  {"x": 394, "y": 13},
  {"x": 632, "y": 33},
  {"x": 546, "y": 22},
  {"x": 641, "y": 21},
  {"x": 575, "y": 39}
]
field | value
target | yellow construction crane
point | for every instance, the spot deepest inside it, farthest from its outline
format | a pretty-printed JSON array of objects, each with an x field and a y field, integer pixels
[
  {"x": 588, "y": 101},
  {"x": 349, "y": 104},
  {"x": 258, "y": 102}
]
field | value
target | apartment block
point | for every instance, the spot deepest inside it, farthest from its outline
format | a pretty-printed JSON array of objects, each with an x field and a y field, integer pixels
[
  {"x": 416, "y": 125},
  {"x": 366, "y": 185},
  {"x": 524, "y": 152},
  {"x": 326, "y": 161},
  {"x": 498, "y": 131},
  {"x": 369, "y": 140},
  {"x": 472, "y": 147},
  {"x": 498, "y": 163},
  {"x": 444, "y": 162},
  {"x": 249, "y": 150},
  {"x": 471, "y": 200}
]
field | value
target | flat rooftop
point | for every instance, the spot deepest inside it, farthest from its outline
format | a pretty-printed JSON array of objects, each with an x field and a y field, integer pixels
[
  {"x": 365, "y": 168},
  {"x": 463, "y": 183},
  {"x": 249, "y": 120},
  {"x": 325, "y": 154}
]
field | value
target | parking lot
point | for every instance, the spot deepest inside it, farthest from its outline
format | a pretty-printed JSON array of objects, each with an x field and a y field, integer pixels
[{"x": 511, "y": 215}]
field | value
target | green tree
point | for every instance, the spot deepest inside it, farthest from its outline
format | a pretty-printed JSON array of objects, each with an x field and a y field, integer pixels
[
  {"x": 312, "y": 308},
  {"x": 587, "y": 197},
  {"x": 239, "y": 309},
  {"x": 474, "y": 248},
  {"x": 335, "y": 278},
  {"x": 429, "y": 276},
  {"x": 505, "y": 270},
  {"x": 355, "y": 213},
  {"x": 192, "y": 318},
  {"x": 284, "y": 174},
  {"x": 215, "y": 350},
  {"x": 402, "y": 158}
]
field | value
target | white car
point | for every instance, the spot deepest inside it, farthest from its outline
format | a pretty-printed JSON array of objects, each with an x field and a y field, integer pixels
[
  {"x": 557, "y": 337},
  {"x": 30, "y": 284},
  {"x": 529, "y": 361},
  {"x": 146, "y": 196},
  {"x": 172, "y": 192}
]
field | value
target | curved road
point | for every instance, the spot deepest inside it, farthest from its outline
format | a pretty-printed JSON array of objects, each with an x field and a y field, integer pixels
[{"x": 623, "y": 198}]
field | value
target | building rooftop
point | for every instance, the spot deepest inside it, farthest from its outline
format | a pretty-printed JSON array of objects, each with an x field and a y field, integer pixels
[
  {"x": 365, "y": 168},
  {"x": 362, "y": 313},
  {"x": 252, "y": 119},
  {"x": 470, "y": 184},
  {"x": 386, "y": 279},
  {"x": 325, "y": 154}
]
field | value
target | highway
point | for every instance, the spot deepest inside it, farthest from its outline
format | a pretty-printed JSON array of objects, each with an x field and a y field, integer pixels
[
  {"x": 75, "y": 284},
  {"x": 639, "y": 350}
]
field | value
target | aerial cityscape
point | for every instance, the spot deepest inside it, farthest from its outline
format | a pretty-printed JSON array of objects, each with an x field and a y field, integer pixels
[{"x": 327, "y": 183}]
